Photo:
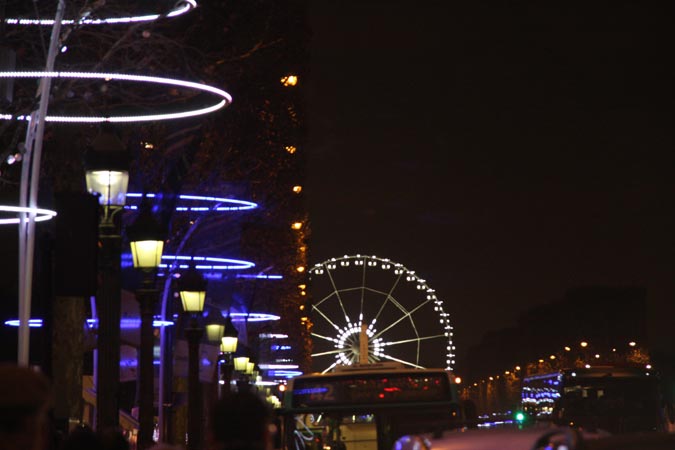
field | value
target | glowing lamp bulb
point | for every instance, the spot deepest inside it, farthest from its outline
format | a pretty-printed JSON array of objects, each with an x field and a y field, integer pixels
[{"x": 289, "y": 80}]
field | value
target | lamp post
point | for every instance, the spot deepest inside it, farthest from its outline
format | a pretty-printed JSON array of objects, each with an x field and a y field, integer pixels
[
  {"x": 243, "y": 365},
  {"x": 192, "y": 290},
  {"x": 146, "y": 238},
  {"x": 106, "y": 163},
  {"x": 228, "y": 346}
]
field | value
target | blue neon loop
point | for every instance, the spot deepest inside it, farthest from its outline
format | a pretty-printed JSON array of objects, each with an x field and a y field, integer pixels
[
  {"x": 230, "y": 204},
  {"x": 201, "y": 263}
]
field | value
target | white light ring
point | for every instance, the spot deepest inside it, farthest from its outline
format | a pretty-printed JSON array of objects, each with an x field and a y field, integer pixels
[
  {"x": 237, "y": 205},
  {"x": 253, "y": 317},
  {"x": 225, "y": 98},
  {"x": 41, "y": 214},
  {"x": 180, "y": 8}
]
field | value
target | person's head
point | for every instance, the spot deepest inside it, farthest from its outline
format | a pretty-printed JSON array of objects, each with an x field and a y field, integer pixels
[
  {"x": 240, "y": 421},
  {"x": 112, "y": 438},
  {"x": 25, "y": 400},
  {"x": 81, "y": 438}
]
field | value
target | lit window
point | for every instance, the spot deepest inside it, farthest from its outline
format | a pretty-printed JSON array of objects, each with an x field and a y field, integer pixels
[
  {"x": 289, "y": 80},
  {"x": 297, "y": 189}
]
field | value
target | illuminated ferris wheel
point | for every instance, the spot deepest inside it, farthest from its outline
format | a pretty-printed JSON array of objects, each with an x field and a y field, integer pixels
[{"x": 370, "y": 309}]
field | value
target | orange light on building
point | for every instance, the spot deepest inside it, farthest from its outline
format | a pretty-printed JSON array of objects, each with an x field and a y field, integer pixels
[
  {"x": 300, "y": 269},
  {"x": 291, "y": 149},
  {"x": 584, "y": 344},
  {"x": 568, "y": 349},
  {"x": 458, "y": 380},
  {"x": 296, "y": 225},
  {"x": 632, "y": 344},
  {"x": 302, "y": 286},
  {"x": 552, "y": 357},
  {"x": 289, "y": 80},
  {"x": 297, "y": 189}
]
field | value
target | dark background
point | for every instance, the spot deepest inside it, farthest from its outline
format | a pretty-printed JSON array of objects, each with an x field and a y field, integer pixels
[{"x": 505, "y": 151}]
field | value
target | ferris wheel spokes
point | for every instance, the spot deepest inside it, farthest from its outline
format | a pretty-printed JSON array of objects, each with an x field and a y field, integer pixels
[
  {"x": 407, "y": 315},
  {"x": 314, "y": 308},
  {"x": 329, "y": 368},
  {"x": 417, "y": 339},
  {"x": 330, "y": 352},
  {"x": 336, "y": 291},
  {"x": 408, "y": 363}
]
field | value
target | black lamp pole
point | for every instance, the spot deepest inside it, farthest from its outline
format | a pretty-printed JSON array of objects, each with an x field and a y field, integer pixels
[
  {"x": 192, "y": 289},
  {"x": 146, "y": 237},
  {"x": 106, "y": 164},
  {"x": 228, "y": 347}
]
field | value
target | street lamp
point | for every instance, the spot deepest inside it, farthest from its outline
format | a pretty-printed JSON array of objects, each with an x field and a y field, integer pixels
[
  {"x": 243, "y": 365},
  {"x": 106, "y": 163},
  {"x": 227, "y": 347},
  {"x": 192, "y": 290},
  {"x": 146, "y": 238}
]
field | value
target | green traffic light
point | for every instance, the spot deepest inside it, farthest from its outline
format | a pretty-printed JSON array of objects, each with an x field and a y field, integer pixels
[{"x": 520, "y": 416}]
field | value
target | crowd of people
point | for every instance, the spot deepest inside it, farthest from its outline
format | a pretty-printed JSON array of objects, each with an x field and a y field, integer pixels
[{"x": 238, "y": 421}]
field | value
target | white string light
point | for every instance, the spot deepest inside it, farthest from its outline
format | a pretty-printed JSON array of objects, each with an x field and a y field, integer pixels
[
  {"x": 40, "y": 214},
  {"x": 179, "y": 9},
  {"x": 225, "y": 98}
]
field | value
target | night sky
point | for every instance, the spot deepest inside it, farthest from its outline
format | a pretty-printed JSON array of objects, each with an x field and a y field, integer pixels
[{"x": 505, "y": 151}]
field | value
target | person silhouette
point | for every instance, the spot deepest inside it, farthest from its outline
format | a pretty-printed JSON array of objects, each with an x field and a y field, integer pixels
[
  {"x": 25, "y": 402},
  {"x": 240, "y": 421}
]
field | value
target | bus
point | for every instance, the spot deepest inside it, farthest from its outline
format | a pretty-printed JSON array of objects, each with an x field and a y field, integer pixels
[
  {"x": 614, "y": 399},
  {"x": 366, "y": 407}
]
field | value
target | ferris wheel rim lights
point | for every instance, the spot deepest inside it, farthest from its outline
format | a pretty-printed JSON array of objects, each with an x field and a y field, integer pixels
[
  {"x": 225, "y": 98},
  {"x": 180, "y": 8},
  {"x": 348, "y": 332},
  {"x": 41, "y": 214}
]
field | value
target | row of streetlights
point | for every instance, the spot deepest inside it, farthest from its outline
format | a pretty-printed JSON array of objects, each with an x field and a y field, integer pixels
[{"x": 107, "y": 164}]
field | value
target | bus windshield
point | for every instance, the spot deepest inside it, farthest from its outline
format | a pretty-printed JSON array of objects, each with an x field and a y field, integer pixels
[{"x": 367, "y": 409}]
